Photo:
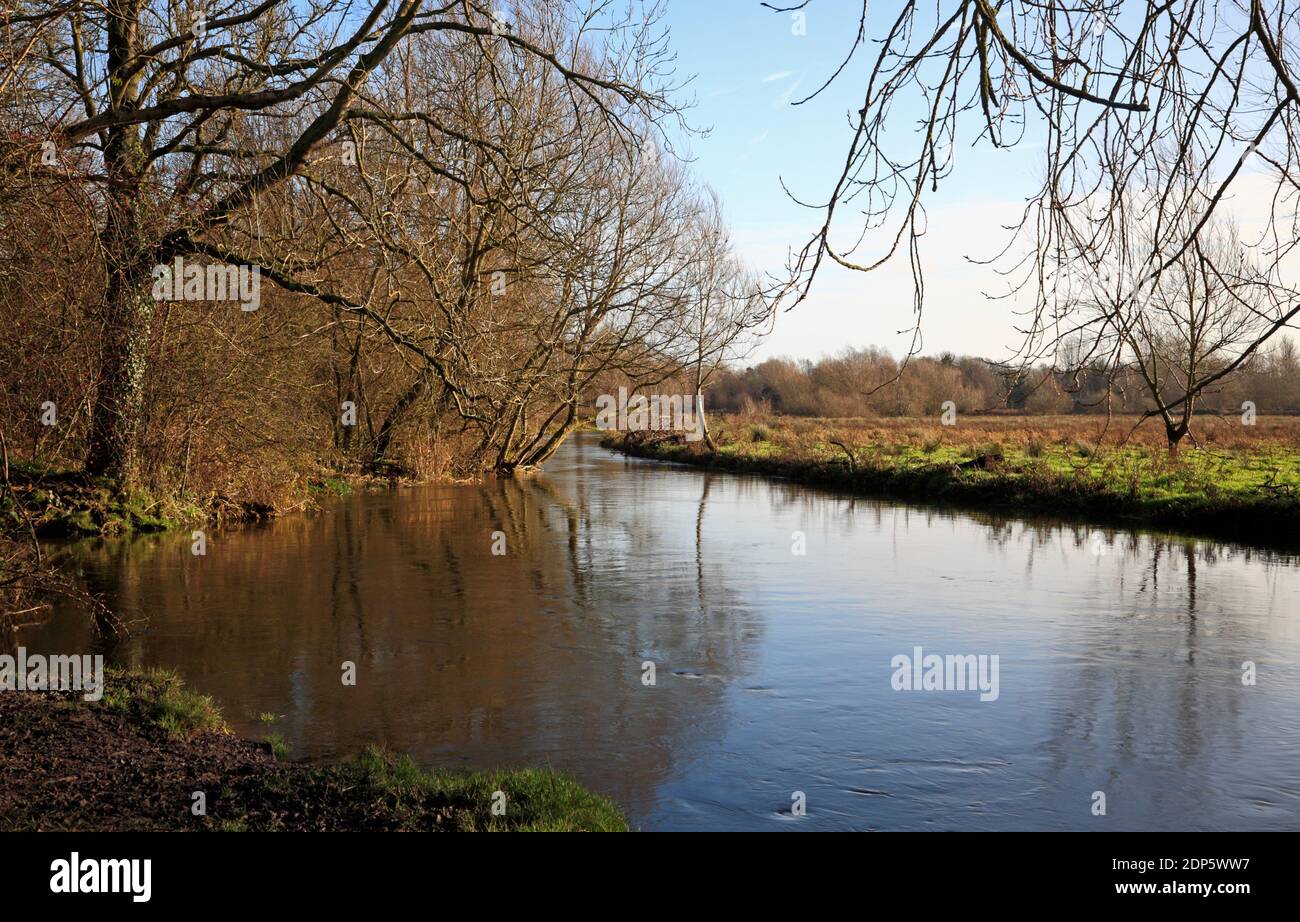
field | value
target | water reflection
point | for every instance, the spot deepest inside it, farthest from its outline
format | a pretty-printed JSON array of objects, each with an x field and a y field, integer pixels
[{"x": 1121, "y": 653}]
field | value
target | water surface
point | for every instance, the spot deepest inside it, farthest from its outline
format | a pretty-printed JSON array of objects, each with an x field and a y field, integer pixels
[{"x": 1120, "y": 654}]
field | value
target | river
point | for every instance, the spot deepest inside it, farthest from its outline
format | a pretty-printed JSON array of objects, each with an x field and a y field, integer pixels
[{"x": 1120, "y": 654}]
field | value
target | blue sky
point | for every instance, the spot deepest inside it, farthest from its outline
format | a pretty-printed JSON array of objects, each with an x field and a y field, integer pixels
[{"x": 748, "y": 66}]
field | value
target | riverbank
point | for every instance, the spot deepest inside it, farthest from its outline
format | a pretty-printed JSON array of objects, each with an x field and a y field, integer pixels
[
  {"x": 73, "y": 504},
  {"x": 134, "y": 760},
  {"x": 1249, "y": 493}
]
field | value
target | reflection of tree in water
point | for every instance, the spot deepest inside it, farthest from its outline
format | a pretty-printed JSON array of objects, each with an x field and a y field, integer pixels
[
  {"x": 534, "y": 657},
  {"x": 539, "y": 651},
  {"x": 1173, "y": 687},
  {"x": 462, "y": 657},
  {"x": 1117, "y": 693},
  {"x": 678, "y": 591},
  {"x": 117, "y": 572}
]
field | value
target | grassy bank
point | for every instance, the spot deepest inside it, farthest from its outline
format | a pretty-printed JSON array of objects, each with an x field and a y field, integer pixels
[
  {"x": 133, "y": 761},
  {"x": 1240, "y": 485},
  {"x": 70, "y": 503}
]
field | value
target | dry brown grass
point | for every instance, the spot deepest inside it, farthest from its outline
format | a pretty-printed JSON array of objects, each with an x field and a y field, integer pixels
[
  {"x": 1222, "y": 433},
  {"x": 1242, "y": 483}
]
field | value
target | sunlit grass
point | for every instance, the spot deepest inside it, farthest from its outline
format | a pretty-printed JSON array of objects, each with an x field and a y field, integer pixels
[
  {"x": 158, "y": 697},
  {"x": 530, "y": 799},
  {"x": 1237, "y": 479},
  {"x": 379, "y": 783}
]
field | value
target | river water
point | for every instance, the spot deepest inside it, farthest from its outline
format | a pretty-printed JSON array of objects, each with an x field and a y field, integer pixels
[{"x": 1120, "y": 654}]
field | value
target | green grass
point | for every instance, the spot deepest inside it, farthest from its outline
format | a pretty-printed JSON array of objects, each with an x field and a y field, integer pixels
[
  {"x": 69, "y": 503},
  {"x": 159, "y": 698},
  {"x": 1250, "y": 494},
  {"x": 536, "y": 799},
  {"x": 332, "y": 486},
  {"x": 378, "y": 783},
  {"x": 279, "y": 746}
]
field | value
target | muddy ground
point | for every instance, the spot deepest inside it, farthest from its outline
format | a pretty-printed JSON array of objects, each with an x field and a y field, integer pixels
[{"x": 65, "y": 765}]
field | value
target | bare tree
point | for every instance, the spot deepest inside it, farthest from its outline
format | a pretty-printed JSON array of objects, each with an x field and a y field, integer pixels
[
  {"x": 1178, "y": 327},
  {"x": 183, "y": 122},
  {"x": 724, "y": 306},
  {"x": 1120, "y": 95},
  {"x": 514, "y": 250}
]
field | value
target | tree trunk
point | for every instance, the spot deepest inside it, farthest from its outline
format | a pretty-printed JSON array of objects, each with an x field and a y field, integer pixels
[
  {"x": 1174, "y": 435},
  {"x": 704, "y": 422},
  {"x": 119, "y": 401},
  {"x": 128, "y": 305},
  {"x": 396, "y": 415}
]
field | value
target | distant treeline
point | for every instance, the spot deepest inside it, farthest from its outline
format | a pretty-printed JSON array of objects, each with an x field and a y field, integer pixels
[{"x": 870, "y": 382}]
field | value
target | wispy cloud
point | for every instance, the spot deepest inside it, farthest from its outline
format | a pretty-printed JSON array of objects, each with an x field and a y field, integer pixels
[
  {"x": 779, "y": 75},
  {"x": 759, "y": 138},
  {"x": 784, "y": 98}
]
